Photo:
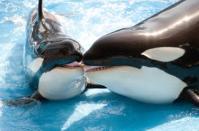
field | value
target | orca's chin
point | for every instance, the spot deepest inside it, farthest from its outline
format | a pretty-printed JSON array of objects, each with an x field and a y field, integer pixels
[{"x": 62, "y": 82}]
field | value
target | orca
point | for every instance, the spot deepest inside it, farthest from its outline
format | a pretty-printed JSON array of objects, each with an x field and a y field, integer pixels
[
  {"x": 52, "y": 58},
  {"x": 156, "y": 61}
]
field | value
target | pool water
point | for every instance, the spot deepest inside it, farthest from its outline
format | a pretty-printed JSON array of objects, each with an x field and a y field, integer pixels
[{"x": 95, "y": 110}]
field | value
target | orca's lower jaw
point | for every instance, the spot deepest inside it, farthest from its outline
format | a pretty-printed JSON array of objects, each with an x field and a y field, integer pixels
[
  {"x": 62, "y": 82},
  {"x": 145, "y": 84},
  {"x": 58, "y": 80}
]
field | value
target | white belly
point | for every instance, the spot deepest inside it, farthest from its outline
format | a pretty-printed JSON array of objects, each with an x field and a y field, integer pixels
[
  {"x": 62, "y": 83},
  {"x": 150, "y": 85}
]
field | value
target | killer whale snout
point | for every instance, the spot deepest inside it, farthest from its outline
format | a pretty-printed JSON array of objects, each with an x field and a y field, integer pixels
[
  {"x": 113, "y": 48},
  {"x": 67, "y": 49}
]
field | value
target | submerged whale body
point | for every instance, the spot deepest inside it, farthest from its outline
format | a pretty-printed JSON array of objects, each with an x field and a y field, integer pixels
[
  {"x": 155, "y": 61},
  {"x": 52, "y": 58}
]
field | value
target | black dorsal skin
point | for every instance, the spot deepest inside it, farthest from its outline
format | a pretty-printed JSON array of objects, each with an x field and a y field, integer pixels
[
  {"x": 176, "y": 26},
  {"x": 45, "y": 33}
]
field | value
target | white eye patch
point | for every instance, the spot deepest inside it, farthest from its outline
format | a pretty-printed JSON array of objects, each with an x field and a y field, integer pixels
[
  {"x": 164, "y": 54},
  {"x": 35, "y": 65}
]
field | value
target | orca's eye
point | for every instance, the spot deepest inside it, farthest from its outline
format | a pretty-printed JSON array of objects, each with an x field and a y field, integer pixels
[{"x": 164, "y": 54}]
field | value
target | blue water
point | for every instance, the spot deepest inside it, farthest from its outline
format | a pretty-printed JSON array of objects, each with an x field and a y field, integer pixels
[{"x": 96, "y": 110}]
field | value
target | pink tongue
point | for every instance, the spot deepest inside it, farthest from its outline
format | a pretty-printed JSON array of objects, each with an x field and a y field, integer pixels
[{"x": 74, "y": 64}]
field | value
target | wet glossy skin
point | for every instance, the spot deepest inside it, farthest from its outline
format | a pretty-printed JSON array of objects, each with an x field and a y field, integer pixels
[
  {"x": 176, "y": 26},
  {"x": 47, "y": 40}
]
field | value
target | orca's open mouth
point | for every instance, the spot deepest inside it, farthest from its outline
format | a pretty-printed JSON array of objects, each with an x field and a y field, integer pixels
[{"x": 74, "y": 64}]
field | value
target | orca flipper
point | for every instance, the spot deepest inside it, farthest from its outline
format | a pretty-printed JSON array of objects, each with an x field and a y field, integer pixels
[
  {"x": 190, "y": 95},
  {"x": 20, "y": 101},
  {"x": 35, "y": 98}
]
